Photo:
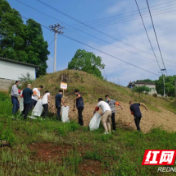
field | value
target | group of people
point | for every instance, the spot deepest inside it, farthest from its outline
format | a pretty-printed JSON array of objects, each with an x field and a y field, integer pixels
[{"x": 108, "y": 108}]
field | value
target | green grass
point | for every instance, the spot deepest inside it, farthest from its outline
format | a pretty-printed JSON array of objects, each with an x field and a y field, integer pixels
[
  {"x": 120, "y": 153},
  {"x": 81, "y": 151}
]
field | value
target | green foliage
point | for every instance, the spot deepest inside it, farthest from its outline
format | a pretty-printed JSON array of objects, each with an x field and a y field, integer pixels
[
  {"x": 169, "y": 85},
  {"x": 20, "y": 42},
  {"x": 26, "y": 79},
  {"x": 141, "y": 89},
  {"x": 146, "y": 80},
  {"x": 88, "y": 62},
  {"x": 93, "y": 155}
]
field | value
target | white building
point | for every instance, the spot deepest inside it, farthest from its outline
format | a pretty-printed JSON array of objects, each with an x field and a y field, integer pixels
[
  {"x": 11, "y": 70},
  {"x": 147, "y": 84}
]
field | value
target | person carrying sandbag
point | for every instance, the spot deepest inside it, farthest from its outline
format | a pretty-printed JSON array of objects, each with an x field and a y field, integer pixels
[{"x": 106, "y": 114}]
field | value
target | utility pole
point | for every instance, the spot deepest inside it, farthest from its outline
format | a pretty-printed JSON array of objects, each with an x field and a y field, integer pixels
[
  {"x": 163, "y": 80},
  {"x": 57, "y": 30}
]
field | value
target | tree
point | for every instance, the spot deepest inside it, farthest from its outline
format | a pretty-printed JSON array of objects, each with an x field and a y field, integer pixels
[
  {"x": 169, "y": 85},
  {"x": 141, "y": 89},
  {"x": 36, "y": 47},
  {"x": 24, "y": 43},
  {"x": 88, "y": 62}
]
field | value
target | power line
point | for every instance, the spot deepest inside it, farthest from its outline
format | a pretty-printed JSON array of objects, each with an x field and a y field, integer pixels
[
  {"x": 123, "y": 18},
  {"x": 147, "y": 34},
  {"x": 88, "y": 25},
  {"x": 84, "y": 32},
  {"x": 156, "y": 35},
  {"x": 152, "y": 7},
  {"x": 102, "y": 51}
]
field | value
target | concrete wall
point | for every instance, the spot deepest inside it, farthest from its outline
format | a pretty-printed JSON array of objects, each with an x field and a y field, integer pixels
[
  {"x": 5, "y": 84},
  {"x": 12, "y": 71},
  {"x": 152, "y": 88}
]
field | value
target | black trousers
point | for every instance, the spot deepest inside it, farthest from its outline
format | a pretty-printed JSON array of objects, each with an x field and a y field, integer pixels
[
  {"x": 113, "y": 121},
  {"x": 33, "y": 103},
  {"x": 137, "y": 122},
  {"x": 58, "y": 113},
  {"x": 26, "y": 110},
  {"x": 80, "y": 117},
  {"x": 45, "y": 107}
]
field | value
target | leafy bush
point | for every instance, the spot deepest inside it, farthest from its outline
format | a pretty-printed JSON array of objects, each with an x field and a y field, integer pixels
[
  {"x": 155, "y": 95},
  {"x": 93, "y": 155}
]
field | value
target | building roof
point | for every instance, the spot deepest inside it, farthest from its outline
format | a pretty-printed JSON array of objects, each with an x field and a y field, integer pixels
[
  {"x": 146, "y": 83},
  {"x": 17, "y": 62}
]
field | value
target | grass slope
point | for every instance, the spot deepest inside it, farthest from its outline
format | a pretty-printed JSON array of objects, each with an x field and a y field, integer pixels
[
  {"x": 93, "y": 88},
  {"x": 49, "y": 147}
]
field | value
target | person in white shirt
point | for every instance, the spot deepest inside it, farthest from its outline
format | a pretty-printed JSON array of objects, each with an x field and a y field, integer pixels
[
  {"x": 106, "y": 114},
  {"x": 35, "y": 96},
  {"x": 45, "y": 103}
]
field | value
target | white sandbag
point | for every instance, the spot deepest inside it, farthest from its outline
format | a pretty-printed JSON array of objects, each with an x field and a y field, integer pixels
[
  {"x": 38, "y": 109},
  {"x": 64, "y": 112},
  {"x": 95, "y": 122},
  {"x": 21, "y": 104}
]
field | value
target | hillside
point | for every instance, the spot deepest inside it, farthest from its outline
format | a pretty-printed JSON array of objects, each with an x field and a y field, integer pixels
[{"x": 161, "y": 113}]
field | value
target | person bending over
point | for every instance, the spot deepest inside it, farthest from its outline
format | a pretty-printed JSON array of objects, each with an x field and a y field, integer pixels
[
  {"x": 135, "y": 110},
  {"x": 106, "y": 114}
]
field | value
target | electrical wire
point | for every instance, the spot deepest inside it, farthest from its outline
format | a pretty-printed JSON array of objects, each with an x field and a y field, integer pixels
[
  {"x": 156, "y": 35},
  {"x": 101, "y": 51},
  {"x": 147, "y": 34},
  {"x": 84, "y": 31},
  {"x": 88, "y": 25}
]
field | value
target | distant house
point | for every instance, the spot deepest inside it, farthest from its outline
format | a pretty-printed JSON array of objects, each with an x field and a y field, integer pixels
[
  {"x": 148, "y": 84},
  {"x": 11, "y": 70}
]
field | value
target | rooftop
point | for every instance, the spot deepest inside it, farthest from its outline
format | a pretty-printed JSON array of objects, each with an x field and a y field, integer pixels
[
  {"x": 17, "y": 62},
  {"x": 146, "y": 83}
]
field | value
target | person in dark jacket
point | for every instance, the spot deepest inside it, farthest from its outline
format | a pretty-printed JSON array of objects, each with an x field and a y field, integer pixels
[
  {"x": 79, "y": 106},
  {"x": 27, "y": 94},
  {"x": 58, "y": 101},
  {"x": 135, "y": 110}
]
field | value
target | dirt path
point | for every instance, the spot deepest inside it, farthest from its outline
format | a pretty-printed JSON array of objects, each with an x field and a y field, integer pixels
[{"x": 150, "y": 119}]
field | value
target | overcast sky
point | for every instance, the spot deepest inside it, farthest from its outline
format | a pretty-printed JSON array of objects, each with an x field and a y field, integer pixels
[{"x": 124, "y": 36}]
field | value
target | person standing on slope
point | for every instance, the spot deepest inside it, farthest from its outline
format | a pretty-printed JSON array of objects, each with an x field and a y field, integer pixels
[
  {"x": 35, "y": 96},
  {"x": 80, "y": 106},
  {"x": 135, "y": 110},
  {"x": 14, "y": 97},
  {"x": 112, "y": 104},
  {"x": 106, "y": 114},
  {"x": 45, "y": 102},
  {"x": 58, "y": 100},
  {"x": 27, "y": 93}
]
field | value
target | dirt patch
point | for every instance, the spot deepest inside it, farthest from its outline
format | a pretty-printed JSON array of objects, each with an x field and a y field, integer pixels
[
  {"x": 91, "y": 167},
  {"x": 49, "y": 151}
]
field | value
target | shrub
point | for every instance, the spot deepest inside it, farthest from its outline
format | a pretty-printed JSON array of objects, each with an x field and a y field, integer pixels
[{"x": 155, "y": 95}]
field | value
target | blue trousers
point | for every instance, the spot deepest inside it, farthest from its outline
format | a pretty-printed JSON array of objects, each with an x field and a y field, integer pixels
[
  {"x": 15, "y": 104},
  {"x": 58, "y": 112}
]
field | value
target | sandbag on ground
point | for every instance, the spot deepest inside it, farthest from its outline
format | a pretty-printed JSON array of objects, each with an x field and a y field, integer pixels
[
  {"x": 38, "y": 109},
  {"x": 95, "y": 122},
  {"x": 64, "y": 112}
]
